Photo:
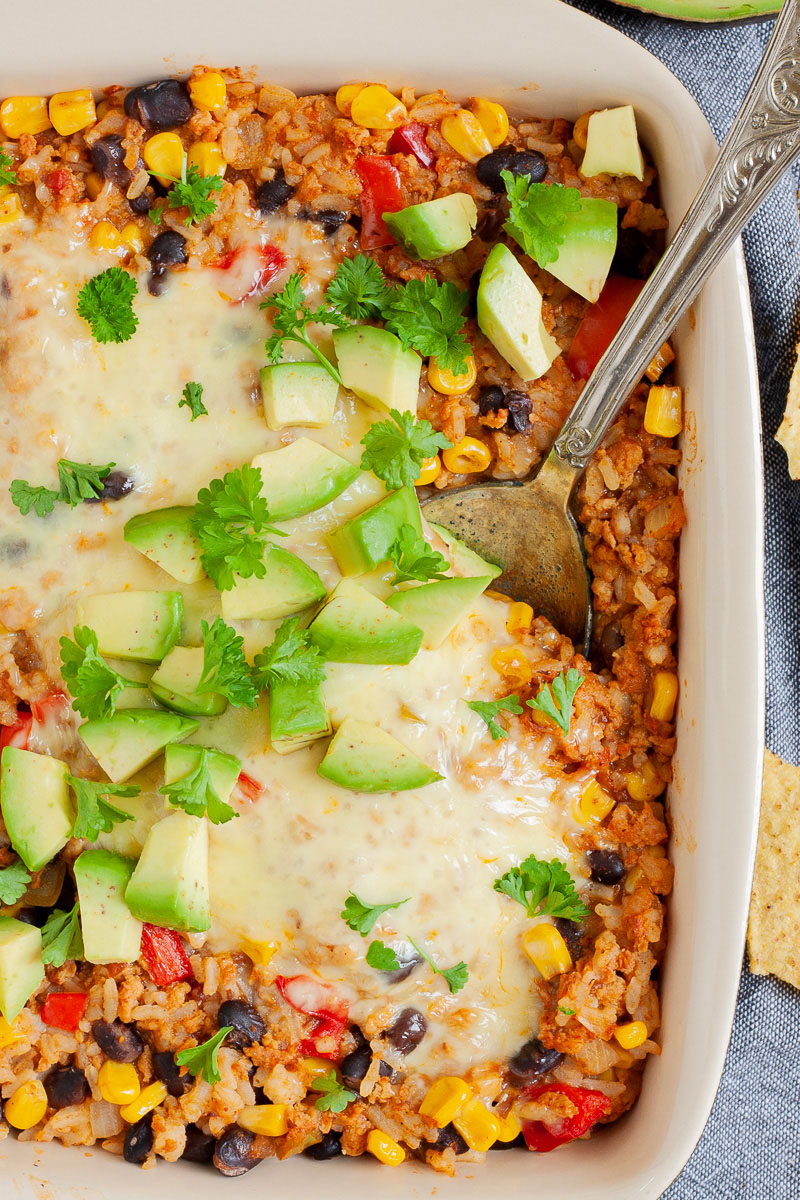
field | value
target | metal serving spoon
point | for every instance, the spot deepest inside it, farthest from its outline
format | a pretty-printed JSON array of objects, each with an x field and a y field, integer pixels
[{"x": 527, "y": 527}]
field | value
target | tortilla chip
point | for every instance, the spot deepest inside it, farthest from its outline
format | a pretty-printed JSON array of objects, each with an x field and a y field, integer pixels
[
  {"x": 774, "y": 930},
  {"x": 789, "y": 433}
]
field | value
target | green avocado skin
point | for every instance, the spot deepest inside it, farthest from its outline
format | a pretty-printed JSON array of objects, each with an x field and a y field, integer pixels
[{"x": 706, "y": 10}]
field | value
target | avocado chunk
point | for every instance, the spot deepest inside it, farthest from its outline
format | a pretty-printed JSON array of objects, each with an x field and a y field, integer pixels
[
  {"x": 365, "y": 758},
  {"x": 176, "y": 680},
  {"x": 169, "y": 886},
  {"x": 435, "y": 228},
  {"x": 110, "y": 932},
  {"x": 302, "y": 477},
  {"x": 36, "y": 805},
  {"x": 288, "y": 586},
  {"x": 21, "y": 967},
  {"x": 301, "y": 393},
  {"x": 355, "y": 626},
  {"x": 224, "y": 769},
  {"x": 510, "y": 315},
  {"x": 465, "y": 562},
  {"x": 131, "y": 739},
  {"x": 586, "y": 253},
  {"x": 374, "y": 365},
  {"x": 438, "y": 607},
  {"x": 364, "y": 541},
  {"x": 298, "y": 716},
  {"x": 166, "y": 537},
  {"x": 612, "y": 145},
  {"x": 141, "y": 626}
]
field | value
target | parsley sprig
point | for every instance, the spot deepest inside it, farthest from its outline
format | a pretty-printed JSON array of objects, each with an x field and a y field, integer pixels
[
  {"x": 106, "y": 302},
  {"x": 290, "y": 658},
  {"x": 195, "y": 793},
  {"x": 14, "y": 881},
  {"x": 193, "y": 192},
  {"x": 543, "y": 889},
  {"x": 291, "y": 316},
  {"x": 202, "y": 1060},
  {"x": 335, "y": 1096},
  {"x": 231, "y": 520},
  {"x": 395, "y": 450},
  {"x": 95, "y": 812},
  {"x": 94, "y": 685},
  {"x": 7, "y": 176},
  {"x": 414, "y": 559},
  {"x": 76, "y": 482},
  {"x": 456, "y": 976},
  {"x": 361, "y": 917},
  {"x": 429, "y": 317},
  {"x": 489, "y": 710},
  {"x": 61, "y": 937},
  {"x": 358, "y": 290},
  {"x": 538, "y": 215},
  {"x": 192, "y": 398},
  {"x": 226, "y": 671},
  {"x": 556, "y": 698}
]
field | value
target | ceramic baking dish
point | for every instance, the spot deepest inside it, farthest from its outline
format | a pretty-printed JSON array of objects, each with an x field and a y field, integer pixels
[{"x": 538, "y": 57}]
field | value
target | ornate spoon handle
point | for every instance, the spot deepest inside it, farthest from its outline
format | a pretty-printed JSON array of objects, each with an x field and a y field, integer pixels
[{"x": 762, "y": 143}]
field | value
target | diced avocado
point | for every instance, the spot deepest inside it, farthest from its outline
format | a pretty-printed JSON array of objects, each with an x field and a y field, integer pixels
[
  {"x": 365, "y": 758},
  {"x": 166, "y": 537},
  {"x": 464, "y": 561},
  {"x": 355, "y": 626},
  {"x": 36, "y": 805},
  {"x": 435, "y": 228},
  {"x": 300, "y": 393},
  {"x": 169, "y": 886},
  {"x": 298, "y": 716},
  {"x": 131, "y": 739},
  {"x": 364, "y": 542},
  {"x": 288, "y": 586},
  {"x": 175, "y": 684},
  {"x": 134, "y": 625},
  {"x": 510, "y": 314},
  {"x": 438, "y": 607},
  {"x": 224, "y": 769},
  {"x": 612, "y": 144},
  {"x": 302, "y": 477},
  {"x": 21, "y": 968},
  {"x": 374, "y": 365},
  {"x": 585, "y": 255},
  {"x": 110, "y": 931}
]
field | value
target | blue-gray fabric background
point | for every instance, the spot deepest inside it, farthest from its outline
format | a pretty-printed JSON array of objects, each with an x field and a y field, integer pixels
[{"x": 751, "y": 1146}]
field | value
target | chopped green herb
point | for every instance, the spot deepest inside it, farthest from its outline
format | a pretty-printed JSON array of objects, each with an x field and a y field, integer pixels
[
  {"x": 41, "y": 499},
  {"x": 291, "y": 317},
  {"x": 414, "y": 559},
  {"x": 155, "y": 214},
  {"x": 202, "y": 1060},
  {"x": 231, "y": 520},
  {"x": 543, "y": 889},
  {"x": 94, "y": 685},
  {"x": 336, "y": 1096},
  {"x": 291, "y": 658},
  {"x": 226, "y": 671},
  {"x": 429, "y": 317},
  {"x": 490, "y": 710},
  {"x": 538, "y": 213},
  {"x": 382, "y": 957},
  {"x": 76, "y": 482},
  {"x": 61, "y": 937},
  {"x": 195, "y": 794},
  {"x": 396, "y": 449},
  {"x": 361, "y": 917},
  {"x": 456, "y": 976},
  {"x": 14, "y": 882},
  {"x": 555, "y": 699},
  {"x": 358, "y": 290},
  {"x": 193, "y": 191},
  {"x": 106, "y": 302},
  {"x": 568, "y": 1012},
  {"x": 95, "y": 813},
  {"x": 192, "y": 398},
  {"x": 7, "y": 176}
]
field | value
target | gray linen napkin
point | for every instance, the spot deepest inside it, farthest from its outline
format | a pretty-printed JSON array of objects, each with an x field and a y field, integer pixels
[{"x": 751, "y": 1146}]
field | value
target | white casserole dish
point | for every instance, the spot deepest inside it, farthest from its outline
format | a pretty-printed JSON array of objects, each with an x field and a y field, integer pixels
[{"x": 545, "y": 58}]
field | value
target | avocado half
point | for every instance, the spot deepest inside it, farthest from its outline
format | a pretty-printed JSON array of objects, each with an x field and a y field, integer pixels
[{"x": 706, "y": 10}]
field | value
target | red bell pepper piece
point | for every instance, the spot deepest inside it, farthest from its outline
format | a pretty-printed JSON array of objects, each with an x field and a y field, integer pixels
[
  {"x": 249, "y": 788},
  {"x": 597, "y": 329},
  {"x": 410, "y": 139},
  {"x": 57, "y": 180},
  {"x": 54, "y": 707},
  {"x": 591, "y": 1107},
  {"x": 380, "y": 193},
  {"x": 320, "y": 1000},
  {"x": 64, "y": 1009},
  {"x": 164, "y": 955},
  {"x": 323, "y": 1031},
  {"x": 17, "y": 734},
  {"x": 252, "y": 268}
]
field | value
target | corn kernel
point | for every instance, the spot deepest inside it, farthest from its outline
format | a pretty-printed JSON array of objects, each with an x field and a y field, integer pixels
[
  {"x": 346, "y": 95},
  {"x": 384, "y": 1148},
  {"x": 102, "y": 108},
  {"x": 208, "y": 91},
  {"x": 663, "y": 415},
  {"x": 631, "y": 1035},
  {"x": 271, "y": 1120},
  {"x": 644, "y": 784},
  {"x": 207, "y": 157},
  {"x": 547, "y": 950},
  {"x": 520, "y": 618},
  {"x": 661, "y": 361},
  {"x": 467, "y": 456},
  {"x": 148, "y": 1099},
  {"x": 27, "y": 1106},
  {"x": 624, "y": 1059},
  {"x": 10, "y": 208},
  {"x": 508, "y": 1127},
  {"x": 10, "y": 1034},
  {"x": 593, "y": 805},
  {"x": 665, "y": 695},
  {"x": 314, "y": 1067},
  {"x": 444, "y": 381},
  {"x": 464, "y": 132},
  {"x": 492, "y": 118},
  {"x": 478, "y": 1127},
  {"x": 131, "y": 235},
  {"x": 163, "y": 155},
  {"x": 632, "y": 880},
  {"x": 444, "y": 1098},
  {"x": 580, "y": 130},
  {"x": 24, "y": 114},
  {"x": 94, "y": 184},
  {"x": 104, "y": 236},
  {"x": 261, "y": 952},
  {"x": 118, "y": 1082},
  {"x": 374, "y": 107},
  {"x": 431, "y": 469},
  {"x": 71, "y": 111},
  {"x": 512, "y": 664}
]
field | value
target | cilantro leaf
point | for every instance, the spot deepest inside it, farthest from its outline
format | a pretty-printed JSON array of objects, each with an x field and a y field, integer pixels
[
  {"x": 361, "y": 917},
  {"x": 80, "y": 481},
  {"x": 290, "y": 658},
  {"x": 336, "y": 1096},
  {"x": 192, "y": 398},
  {"x": 455, "y": 976},
  {"x": 61, "y": 937},
  {"x": 429, "y": 317},
  {"x": 231, "y": 520},
  {"x": 95, "y": 813},
  {"x": 490, "y": 710},
  {"x": 568, "y": 1012},
  {"x": 226, "y": 671},
  {"x": 155, "y": 214},
  {"x": 41, "y": 499},
  {"x": 538, "y": 214},
  {"x": 555, "y": 699},
  {"x": 291, "y": 316},
  {"x": 7, "y": 176},
  {"x": 396, "y": 449},
  {"x": 94, "y": 685},
  {"x": 193, "y": 191},
  {"x": 414, "y": 559},
  {"x": 14, "y": 882},
  {"x": 543, "y": 889},
  {"x": 106, "y": 302},
  {"x": 195, "y": 793},
  {"x": 358, "y": 289},
  {"x": 202, "y": 1060},
  {"x": 382, "y": 957}
]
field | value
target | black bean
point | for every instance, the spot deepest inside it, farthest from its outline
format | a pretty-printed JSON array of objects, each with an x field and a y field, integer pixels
[
  {"x": 606, "y": 866},
  {"x": 449, "y": 1136},
  {"x": 490, "y": 399},
  {"x": 142, "y": 203},
  {"x": 355, "y": 1066},
  {"x": 573, "y": 933},
  {"x": 108, "y": 159},
  {"x": 118, "y": 1041},
  {"x": 177, "y": 1079},
  {"x": 161, "y": 105},
  {"x": 519, "y": 1141},
  {"x": 138, "y": 1141},
  {"x": 166, "y": 250},
  {"x": 33, "y": 916},
  {"x": 631, "y": 252},
  {"x": 409, "y": 960},
  {"x": 518, "y": 162},
  {"x": 329, "y": 1147},
  {"x": 199, "y": 1146},
  {"x": 519, "y": 407},
  {"x": 358, "y": 1037},
  {"x": 66, "y": 1086},
  {"x": 13, "y": 550},
  {"x": 233, "y": 1153},
  {"x": 273, "y": 194},
  {"x": 610, "y": 641},
  {"x": 248, "y": 1026},
  {"x": 115, "y": 485},
  {"x": 329, "y": 219},
  {"x": 407, "y": 1030},
  {"x": 532, "y": 1061}
]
